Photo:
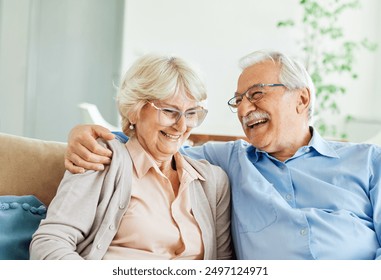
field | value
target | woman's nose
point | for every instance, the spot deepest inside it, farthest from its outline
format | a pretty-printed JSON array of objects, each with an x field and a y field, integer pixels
[{"x": 181, "y": 124}]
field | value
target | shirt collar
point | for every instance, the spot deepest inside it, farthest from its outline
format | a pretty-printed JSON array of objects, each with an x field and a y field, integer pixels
[
  {"x": 317, "y": 143},
  {"x": 143, "y": 162},
  {"x": 321, "y": 145},
  {"x": 183, "y": 165}
]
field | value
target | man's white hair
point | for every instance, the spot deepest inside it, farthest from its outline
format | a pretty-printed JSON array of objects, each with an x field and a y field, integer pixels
[{"x": 292, "y": 73}]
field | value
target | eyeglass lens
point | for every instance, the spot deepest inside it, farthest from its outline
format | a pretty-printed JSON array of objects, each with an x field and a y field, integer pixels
[
  {"x": 252, "y": 94},
  {"x": 170, "y": 116}
]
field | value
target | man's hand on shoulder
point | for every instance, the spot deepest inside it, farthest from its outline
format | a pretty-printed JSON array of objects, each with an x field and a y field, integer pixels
[{"x": 84, "y": 152}]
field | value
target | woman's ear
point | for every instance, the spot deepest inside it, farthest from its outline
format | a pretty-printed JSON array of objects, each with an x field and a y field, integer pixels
[
  {"x": 133, "y": 117},
  {"x": 303, "y": 100}
]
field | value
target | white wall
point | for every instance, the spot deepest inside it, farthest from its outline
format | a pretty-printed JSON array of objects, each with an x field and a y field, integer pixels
[
  {"x": 13, "y": 64},
  {"x": 214, "y": 34},
  {"x": 55, "y": 54}
]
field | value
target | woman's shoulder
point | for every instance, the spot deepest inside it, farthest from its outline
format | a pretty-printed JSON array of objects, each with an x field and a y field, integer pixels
[
  {"x": 205, "y": 168},
  {"x": 216, "y": 184},
  {"x": 114, "y": 144},
  {"x": 119, "y": 149}
]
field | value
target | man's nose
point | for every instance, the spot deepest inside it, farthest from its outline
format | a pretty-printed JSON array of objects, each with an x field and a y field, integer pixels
[{"x": 246, "y": 106}]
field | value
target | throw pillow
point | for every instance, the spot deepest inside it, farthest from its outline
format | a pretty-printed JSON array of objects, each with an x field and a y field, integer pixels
[{"x": 20, "y": 217}]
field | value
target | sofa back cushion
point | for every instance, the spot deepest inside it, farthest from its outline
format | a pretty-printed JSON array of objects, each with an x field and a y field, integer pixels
[{"x": 30, "y": 167}]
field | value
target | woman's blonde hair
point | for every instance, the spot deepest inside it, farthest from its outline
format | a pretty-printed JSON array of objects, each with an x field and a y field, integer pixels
[{"x": 156, "y": 77}]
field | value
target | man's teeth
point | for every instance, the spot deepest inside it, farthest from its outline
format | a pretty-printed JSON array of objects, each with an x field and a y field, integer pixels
[
  {"x": 174, "y": 137},
  {"x": 260, "y": 121},
  {"x": 255, "y": 118},
  {"x": 257, "y": 122}
]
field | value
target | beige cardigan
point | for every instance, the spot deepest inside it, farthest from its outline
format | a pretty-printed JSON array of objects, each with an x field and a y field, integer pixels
[{"x": 84, "y": 216}]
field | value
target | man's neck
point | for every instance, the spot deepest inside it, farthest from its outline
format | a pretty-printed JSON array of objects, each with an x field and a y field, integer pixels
[{"x": 289, "y": 151}]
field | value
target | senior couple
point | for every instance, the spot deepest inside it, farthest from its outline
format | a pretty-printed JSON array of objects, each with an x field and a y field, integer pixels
[{"x": 292, "y": 194}]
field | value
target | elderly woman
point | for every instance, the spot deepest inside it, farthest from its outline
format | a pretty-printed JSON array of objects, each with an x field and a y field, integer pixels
[{"x": 150, "y": 202}]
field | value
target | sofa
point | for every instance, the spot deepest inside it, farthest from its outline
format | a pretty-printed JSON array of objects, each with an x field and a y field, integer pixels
[{"x": 30, "y": 173}]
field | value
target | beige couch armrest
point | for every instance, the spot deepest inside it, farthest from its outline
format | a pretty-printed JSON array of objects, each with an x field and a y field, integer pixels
[{"x": 30, "y": 166}]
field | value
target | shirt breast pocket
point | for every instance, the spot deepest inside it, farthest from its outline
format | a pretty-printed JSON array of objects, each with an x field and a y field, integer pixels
[{"x": 253, "y": 210}]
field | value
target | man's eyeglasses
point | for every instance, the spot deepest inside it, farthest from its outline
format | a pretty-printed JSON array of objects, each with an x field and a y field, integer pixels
[
  {"x": 253, "y": 94},
  {"x": 170, "y": 116}
]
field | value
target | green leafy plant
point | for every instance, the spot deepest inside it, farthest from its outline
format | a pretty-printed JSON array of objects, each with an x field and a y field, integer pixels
[{"x": 328, "y": 55}]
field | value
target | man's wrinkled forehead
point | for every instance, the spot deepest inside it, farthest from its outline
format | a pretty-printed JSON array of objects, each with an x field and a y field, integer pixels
[{"x": 263, "y": 72}]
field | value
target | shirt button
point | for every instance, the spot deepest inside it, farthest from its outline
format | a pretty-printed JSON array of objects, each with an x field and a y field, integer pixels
[
  {"x": 111, "y": 227},
  {"x": 99, "y": 246},
  {"x": 121, "y": 206},
  {"x": 303, "y": 231},
  {"x": 288, "y": 197}
]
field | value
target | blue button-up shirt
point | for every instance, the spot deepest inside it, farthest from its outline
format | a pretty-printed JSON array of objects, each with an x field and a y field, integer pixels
[{"x": 323, "y": 203}]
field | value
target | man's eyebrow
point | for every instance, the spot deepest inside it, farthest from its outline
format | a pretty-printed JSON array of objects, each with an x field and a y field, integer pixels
[
  {"x": 250, "y": 87},
  {"x": 255, "y": 85}
]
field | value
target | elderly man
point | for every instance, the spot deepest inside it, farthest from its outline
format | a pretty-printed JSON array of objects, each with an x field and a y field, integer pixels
[{"x": 294, "y": 194}]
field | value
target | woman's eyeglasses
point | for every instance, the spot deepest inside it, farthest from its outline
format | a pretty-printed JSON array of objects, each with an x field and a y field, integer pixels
[{"x": 170, "y": 116}]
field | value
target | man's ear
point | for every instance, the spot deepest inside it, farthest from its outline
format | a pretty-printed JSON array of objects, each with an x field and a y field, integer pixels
[{"x": 304, "y": 99}]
